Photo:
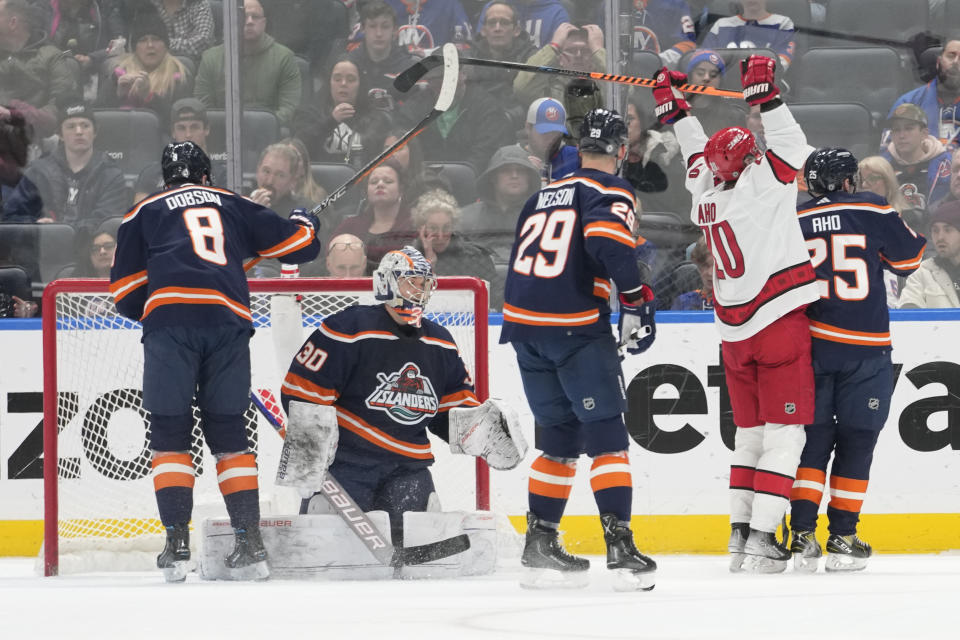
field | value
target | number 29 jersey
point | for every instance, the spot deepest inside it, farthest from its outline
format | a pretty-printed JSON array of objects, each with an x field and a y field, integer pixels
[
  {"x": 574, "y": 237},
  {"x": 180, "y": 256}
]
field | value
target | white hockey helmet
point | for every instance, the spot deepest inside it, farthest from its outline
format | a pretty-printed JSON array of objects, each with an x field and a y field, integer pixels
[{"x": 404, "y": 280}]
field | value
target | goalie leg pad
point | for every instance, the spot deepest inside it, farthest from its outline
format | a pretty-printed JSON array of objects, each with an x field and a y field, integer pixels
[
  {"x": 490, "y": 431},
  {"x": 309, "y": 447}
]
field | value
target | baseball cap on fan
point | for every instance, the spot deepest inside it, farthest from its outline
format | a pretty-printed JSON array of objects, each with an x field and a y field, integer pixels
[
  {"x": 909, "y": 112},
  {"x": 188, "y": 109},
  {"x": 546, "y": 115}
]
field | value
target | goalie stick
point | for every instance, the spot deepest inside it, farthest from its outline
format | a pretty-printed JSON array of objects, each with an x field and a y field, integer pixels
[
  {"x": 378, "y": 544},
  {"x": 409, "y": 77},
  {"x": 448, "y": 88}
]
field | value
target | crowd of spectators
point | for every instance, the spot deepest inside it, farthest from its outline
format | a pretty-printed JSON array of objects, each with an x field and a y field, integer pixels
[{"x": 334, "y": 106}]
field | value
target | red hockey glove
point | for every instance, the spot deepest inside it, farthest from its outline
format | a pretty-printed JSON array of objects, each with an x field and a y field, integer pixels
[
  {"x": 757, "y": 78},
  {"x": 671, "y": 105},
  {"x": 637, "y": 327}
]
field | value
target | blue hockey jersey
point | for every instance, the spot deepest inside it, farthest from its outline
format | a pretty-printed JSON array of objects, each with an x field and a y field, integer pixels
[
  {"x": 428, "y": 24},
  {"x": 574, "y": 237},
  {"x": 774, "y": 32},
  {"x": 851, "y": 239},
  {"x": 664, "y": 27},
  {"x": 389, "y": 383},
  {"x": 180, "y": 256}
]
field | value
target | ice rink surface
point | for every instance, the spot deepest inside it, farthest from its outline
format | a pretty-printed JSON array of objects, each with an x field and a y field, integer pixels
[{"x": 896, "y": 597}]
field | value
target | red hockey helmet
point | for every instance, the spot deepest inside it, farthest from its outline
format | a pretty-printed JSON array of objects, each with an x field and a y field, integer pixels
[{"x": 729, "y": 150}]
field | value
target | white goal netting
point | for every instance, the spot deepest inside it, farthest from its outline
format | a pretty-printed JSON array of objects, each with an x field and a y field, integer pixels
[{"x": 101, "y": 512}]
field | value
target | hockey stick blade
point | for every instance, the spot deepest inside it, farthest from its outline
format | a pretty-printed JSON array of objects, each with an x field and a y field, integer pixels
[
  {"x": 410, "y": 76},
  {"x": 448, "y": 91},
  {"x": 376, "y": 542}
]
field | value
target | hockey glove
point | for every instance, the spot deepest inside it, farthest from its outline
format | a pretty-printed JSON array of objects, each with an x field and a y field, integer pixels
[
  {"x": 305, "y": 218},
  {"x": 757, "y": 78},
  {"x": 637, "y": 326},
  {"x": 671, "y": 105}
]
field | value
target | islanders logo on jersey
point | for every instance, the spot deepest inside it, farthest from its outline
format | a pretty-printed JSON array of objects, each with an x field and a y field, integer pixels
[{"x": 405, "y": 395}]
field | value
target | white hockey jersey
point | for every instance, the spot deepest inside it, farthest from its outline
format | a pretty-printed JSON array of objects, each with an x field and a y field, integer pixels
[{"x": 762, "y": 268}]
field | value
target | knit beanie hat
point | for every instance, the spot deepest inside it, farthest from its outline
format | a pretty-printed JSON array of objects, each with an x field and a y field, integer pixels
[
  {"x": 948, "y": 212},
  {"x": 148, "y": 24}
]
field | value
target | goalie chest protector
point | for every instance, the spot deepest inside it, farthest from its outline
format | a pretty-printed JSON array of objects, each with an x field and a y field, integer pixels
[{"x": 389, "y": 382}]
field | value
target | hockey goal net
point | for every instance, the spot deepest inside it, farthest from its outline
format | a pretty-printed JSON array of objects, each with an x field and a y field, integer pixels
[{"x": 100, "y": 511}]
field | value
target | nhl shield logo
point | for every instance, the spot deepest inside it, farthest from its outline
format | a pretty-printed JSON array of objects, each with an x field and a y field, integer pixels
[
  {"x": 873, "y": 404},
  {"x": 405, "y": 395},
  {"x": 789, "y": 408},
  {"x": 589, "y": 404}
]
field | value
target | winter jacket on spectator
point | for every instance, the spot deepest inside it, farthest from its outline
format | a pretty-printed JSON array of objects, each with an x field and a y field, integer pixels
[
  {"x": 83, "y": 199},
  {"x": 32, "y": 79},
  {"x": 269, "y": 79},
  {"x": 929, "y": 287},
  {"x": 928, "y": 179},
  {"x": 191, "y": 27},
  {"x": 21, "y": 203}
]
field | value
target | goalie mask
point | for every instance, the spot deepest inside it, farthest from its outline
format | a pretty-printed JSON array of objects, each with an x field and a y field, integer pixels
[{"x": 405, "y": 281}]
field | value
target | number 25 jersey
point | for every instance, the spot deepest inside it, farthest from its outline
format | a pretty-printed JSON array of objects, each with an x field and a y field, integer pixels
[{"x": 573, "y": 238}]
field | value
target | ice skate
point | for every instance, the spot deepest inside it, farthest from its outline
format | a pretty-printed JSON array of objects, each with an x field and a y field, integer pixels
[
  {"x": 847, "y": 553},
  {"x": 174, "y": 560},
  {"x": 739, "y": 532},
  {"x": 248, "y": 560},
  {"x": 764, "y": 553},
  {"x": 633, "y": 571},
  {"x": 806, "y": 551},
  {"x": 546, "y": 563}
]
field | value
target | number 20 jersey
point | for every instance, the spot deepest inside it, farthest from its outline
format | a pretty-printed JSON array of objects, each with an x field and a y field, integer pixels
[
  {"x": 762, "y": 269},
  {"x": 573, "y": 238},
  {"x": 180, "y": 256}
]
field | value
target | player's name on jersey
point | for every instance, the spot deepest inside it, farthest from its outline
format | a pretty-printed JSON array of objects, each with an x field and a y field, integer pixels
[
  {"x": 191, "y": 198},
  {"x": 559, "y": 198},
  {"x": 826, "y": 223}
]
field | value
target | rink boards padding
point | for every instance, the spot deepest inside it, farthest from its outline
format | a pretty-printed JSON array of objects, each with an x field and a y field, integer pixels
[{"x": 680, "y": 426}]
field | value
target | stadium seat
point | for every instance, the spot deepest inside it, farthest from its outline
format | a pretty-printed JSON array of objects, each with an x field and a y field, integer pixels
[
  {"x": 951, "y": 20},
  {"x": 306, "y": 80},
  {"x": 848, "y": 125},
  {"x": 14, "y": 281},
  {"x": 259, "y": 129},
  {"x": 41, "y": 249},
  {"x": 926, "y": 69},
  {"x": 461, "y": 177},
  {"x": 855, "y": 22},
  {"x": 873, "y": 76},
  {"x": 643, "y": 64},
  {"x": 131, "y": 137},
  {"x": 331, "y": 175}
]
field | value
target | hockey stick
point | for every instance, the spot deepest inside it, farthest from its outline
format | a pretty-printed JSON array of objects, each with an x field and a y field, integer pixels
[
  {"x": 448, "y": 89},
  {"x": 410, "y": 76},
  {"x": 358, "y": 521}
]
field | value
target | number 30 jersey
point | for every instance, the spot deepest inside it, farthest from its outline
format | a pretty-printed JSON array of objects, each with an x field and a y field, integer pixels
[
  {"x": 574, "y": 237},
  {"x": 761, "y": 267},
  {"x": 180, "y": 256},
  {"x": 852, "y": 238}
]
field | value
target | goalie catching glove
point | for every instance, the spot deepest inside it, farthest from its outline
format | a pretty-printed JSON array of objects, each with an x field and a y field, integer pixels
[
  {"x": 309, "y": 447},
  {"x": 490, "y": 431},
  {"x": 637, "y": 327}
]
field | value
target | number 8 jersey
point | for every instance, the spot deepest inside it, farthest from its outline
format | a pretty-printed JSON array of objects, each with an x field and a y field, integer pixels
[
  {"x": 762, "y": 269},
  {"x": 180, "y": 256},
  {"x": 574, "y": 237}
]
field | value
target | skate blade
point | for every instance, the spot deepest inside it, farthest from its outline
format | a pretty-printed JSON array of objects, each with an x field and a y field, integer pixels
[
  {"x": 178, "y": 572},
  {"x": 630, "y": 580},
  {"x": 255, "y": 571},
  {"x": 531, "y": 578},
  {"x": 736, "y": 562},
  {"x": 805, "y": 564},
  {"x": 763, "y": 564},
  {"x": 837, "y": 562}
]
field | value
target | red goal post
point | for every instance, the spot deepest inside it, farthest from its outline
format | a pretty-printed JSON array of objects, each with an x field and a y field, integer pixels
[{"x": 98, "y": 497}]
